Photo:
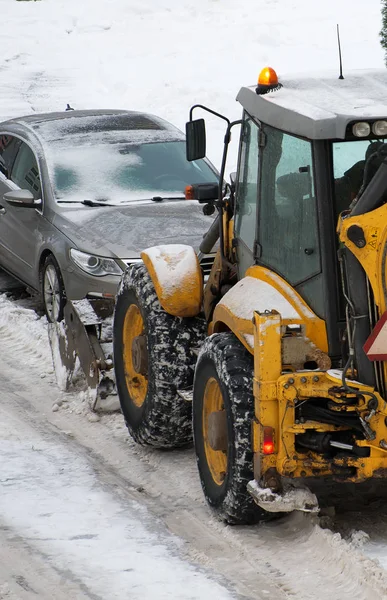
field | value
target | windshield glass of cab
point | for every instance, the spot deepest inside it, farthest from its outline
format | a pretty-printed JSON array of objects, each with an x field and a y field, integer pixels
[
  {"x": 123, "y": 172},
  {"x": 349, "y": 159}
]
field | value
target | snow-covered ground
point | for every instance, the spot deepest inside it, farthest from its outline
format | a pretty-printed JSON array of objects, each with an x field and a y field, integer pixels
[
  {"x": 162, "y": 56},
  {"x": 82, "y": 508},
  {"x": 88, "y": 513}
]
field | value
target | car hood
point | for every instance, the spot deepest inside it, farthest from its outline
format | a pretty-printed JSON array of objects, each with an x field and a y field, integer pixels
[{"x": 124, "y": 231}]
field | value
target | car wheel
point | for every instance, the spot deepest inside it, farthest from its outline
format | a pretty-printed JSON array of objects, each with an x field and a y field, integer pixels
[{"x": 53, "y": 292}]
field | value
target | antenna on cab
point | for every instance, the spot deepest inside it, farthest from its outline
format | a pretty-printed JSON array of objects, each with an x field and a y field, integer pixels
[{"x": 341, "y": 76}]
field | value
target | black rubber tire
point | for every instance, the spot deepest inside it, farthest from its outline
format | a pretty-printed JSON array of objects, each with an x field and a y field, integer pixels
[
  {"x": 164, "y": 420},
  {"x": 224, "y": 358},
  {"x": 51, "y": 263}
]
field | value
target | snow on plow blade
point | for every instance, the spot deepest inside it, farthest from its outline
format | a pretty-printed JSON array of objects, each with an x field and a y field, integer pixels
[
  {"x": 291, "y": 499},
  {"x": 79, "y": 335}
]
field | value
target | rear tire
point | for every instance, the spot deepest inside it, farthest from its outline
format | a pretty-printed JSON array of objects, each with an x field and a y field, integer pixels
[
  {"x": 224, "y": 381},
  {"x": 53, "y": 291},
  {"x": 147, "y": 384}
]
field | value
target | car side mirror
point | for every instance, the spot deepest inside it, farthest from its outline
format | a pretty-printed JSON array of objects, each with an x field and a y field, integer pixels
[
  {"x": 195, "y": 132},
  {"x": 21, "y": 198}
]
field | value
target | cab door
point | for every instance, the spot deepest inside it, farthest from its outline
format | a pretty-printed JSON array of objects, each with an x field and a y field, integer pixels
[{"x": 246, "y": 195}]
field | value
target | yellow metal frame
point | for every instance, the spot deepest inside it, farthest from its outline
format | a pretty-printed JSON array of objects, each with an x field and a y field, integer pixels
[
  {"x": 226, "y": 319},
  {"x": 180, "y": 293},
  {"x": 275, "y": 396},
  {"x": 373, "y": 255}
]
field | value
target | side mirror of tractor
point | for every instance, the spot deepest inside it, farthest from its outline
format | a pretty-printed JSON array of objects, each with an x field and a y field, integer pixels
[
  {"x": 233, "y": 177},
  {"x": 195, "y": 132}
]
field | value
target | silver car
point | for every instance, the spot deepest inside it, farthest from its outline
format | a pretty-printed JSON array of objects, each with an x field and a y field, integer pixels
[{"x": 83, "y": 192}]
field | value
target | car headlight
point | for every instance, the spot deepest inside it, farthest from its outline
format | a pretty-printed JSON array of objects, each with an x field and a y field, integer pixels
[{"x": 95, "y": 265}]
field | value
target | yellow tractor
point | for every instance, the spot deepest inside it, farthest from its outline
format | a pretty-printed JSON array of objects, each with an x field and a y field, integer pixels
[{"x": 279, "y": 359}]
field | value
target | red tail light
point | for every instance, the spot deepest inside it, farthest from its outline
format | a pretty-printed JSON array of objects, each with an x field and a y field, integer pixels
[{"x": 268, "y": 440}]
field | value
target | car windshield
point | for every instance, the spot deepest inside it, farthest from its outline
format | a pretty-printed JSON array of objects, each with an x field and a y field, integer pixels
[
  {"x": 122, "y": 172},
  {"x": 349, "y": 159}
]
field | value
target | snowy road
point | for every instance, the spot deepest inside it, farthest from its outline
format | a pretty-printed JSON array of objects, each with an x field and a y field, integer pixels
[
  {"x": 67, "y": 524},
  {"x": 84, "y": 508}
]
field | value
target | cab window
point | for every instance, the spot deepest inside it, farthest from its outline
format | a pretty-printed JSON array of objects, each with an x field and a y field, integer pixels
[
  {"x": 349, "y": 160},
  {"x": 288, "y": 233}
]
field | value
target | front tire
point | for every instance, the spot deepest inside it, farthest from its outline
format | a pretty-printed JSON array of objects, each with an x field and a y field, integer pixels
[
  {"x": 53, "y": 291},
  {"x": 223, "y": 411},
  {"x": 154, "y": 356}
]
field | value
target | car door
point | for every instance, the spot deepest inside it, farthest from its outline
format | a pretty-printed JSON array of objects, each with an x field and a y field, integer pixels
[
  {"x": 9, "y": 147},
  {"x": 20, "y": 226}
]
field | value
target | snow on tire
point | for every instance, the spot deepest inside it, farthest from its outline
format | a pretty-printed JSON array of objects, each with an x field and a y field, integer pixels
[
  {"x": 147, "y": 386},
  {"x": 224, "y": 382}
]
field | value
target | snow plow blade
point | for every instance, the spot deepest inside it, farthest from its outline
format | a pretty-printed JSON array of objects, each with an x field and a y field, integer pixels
[
  {"x": 79, "y": 335},
  {"x": 300, "y": 498}
]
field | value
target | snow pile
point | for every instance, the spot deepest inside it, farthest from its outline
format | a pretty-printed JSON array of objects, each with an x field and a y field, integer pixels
[
  {"x": 291, "y": 499},
  {"x": 26, "y": 332},
  {"x": 57, "y": 337},
  {"x": 25, "y": 336},
  {"x": 251, "y": 294}
]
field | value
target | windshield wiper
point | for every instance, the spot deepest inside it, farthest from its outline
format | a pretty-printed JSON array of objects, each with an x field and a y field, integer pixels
[
  {"x": 95, "y": 203},
  {"x": 86, "y": 202},
  {"x": 161, "y": 198}
]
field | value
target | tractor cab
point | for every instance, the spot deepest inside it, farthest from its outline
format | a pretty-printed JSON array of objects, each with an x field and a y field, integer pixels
[{"x": 308, "y": 148}]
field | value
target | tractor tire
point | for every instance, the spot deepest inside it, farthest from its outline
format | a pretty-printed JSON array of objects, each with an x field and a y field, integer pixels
[
  {"x": 154, "y": 356},
  {"x": 224, "y": 384}
]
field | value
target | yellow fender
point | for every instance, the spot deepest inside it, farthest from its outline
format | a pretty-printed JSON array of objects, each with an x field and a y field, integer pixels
[
  {"x": 259, "y": 291},
  {"x": 176, "y": 274}
]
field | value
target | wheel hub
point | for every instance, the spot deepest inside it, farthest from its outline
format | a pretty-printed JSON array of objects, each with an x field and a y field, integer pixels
[
  {"x": 135, "y": 354},
  {"x": 140, "y": 355},
  {"x": 51, "y": 292},
  {"x": 217, "y": 430}
]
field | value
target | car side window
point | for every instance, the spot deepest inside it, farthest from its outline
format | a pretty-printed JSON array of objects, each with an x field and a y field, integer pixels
[
  {"x": 25, "y": 172},
  {"x": 9, "y": 146}
]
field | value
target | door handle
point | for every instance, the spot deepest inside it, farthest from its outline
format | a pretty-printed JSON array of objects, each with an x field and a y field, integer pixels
[{"x": 2, "y": 210}]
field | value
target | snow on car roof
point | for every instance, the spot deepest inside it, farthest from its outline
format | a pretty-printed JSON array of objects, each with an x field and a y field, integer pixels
[
  {"x": 320, "y": 107},
  {"x": 57, "y": 125}
]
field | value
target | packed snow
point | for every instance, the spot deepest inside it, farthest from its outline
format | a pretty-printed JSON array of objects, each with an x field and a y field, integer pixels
[
  {"x": 266, "y": 297},
  {"x": 50, "y": 496},
  {"x": 160, "y": 57},
  {"x": 172, "y": 264}
]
